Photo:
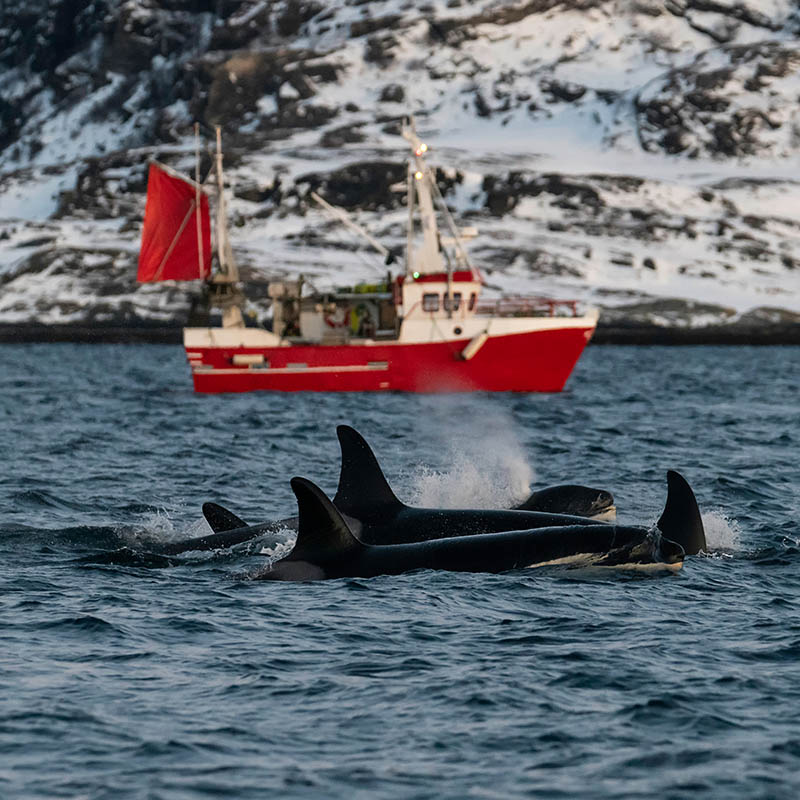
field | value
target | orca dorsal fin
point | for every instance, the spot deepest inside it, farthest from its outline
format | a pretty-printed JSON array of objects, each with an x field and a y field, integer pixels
[
  {"x": 220, "y": 519},
  {"x": 322, "y": 534},
  {"x": 362, "y": 484},
  {"x": 680, "y": 521}
]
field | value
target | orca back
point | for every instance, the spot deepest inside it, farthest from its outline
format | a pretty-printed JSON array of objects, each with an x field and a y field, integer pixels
[{"x": 581, "y": 501}]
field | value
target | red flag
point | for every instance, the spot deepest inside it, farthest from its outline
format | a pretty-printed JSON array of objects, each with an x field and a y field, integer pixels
[{"x": 172, "y": 246}]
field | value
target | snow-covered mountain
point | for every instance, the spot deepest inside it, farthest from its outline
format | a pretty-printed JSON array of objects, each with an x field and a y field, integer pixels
[{"x": 640, "y": 155}]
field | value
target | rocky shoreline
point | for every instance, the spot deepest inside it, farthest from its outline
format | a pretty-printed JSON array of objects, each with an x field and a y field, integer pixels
[{"x": 611, "y": 334}]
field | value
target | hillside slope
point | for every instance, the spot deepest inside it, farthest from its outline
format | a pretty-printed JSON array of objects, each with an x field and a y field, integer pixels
[{"x": 637, "y": 155}]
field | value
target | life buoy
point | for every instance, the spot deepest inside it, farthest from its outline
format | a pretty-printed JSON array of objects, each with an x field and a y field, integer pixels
[{"x": 338, "y": 318}]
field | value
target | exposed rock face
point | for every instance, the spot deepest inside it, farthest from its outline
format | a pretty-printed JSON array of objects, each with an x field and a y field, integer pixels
[
  {"x": 44, "y": 35},
  {"x": 728, "y": 103},
  {"x": 625, "y": 152},
  {"x": 364, "y": 185},
  {"x": 502, "y": 195}
]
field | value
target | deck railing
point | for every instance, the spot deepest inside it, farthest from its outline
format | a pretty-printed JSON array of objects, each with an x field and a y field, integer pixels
[{"x": 527, "y": 307}]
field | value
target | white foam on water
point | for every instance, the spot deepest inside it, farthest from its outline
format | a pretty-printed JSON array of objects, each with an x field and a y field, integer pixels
[
  {"x": 279, "y": 550},
  {"x": 487, "y": 469},
  {"x": 158, "y": 526},
  {"x": 149, "y": 527},
  {"x": 723, "y": 534}
]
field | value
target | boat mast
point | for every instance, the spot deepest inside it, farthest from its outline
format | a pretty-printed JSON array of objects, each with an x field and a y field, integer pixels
[
  {"x": 197, "y": 198},
  {"x": 430, "y": 257},
  {"x": 420, "y": 175},
  {"x": 410, "y": 222},
  {"x": 429, "y": 196},
  {"x": 222, "y": 286}
]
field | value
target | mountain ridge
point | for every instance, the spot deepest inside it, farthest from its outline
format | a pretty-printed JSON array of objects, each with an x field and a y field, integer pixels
[{"x": 633, "y": 155}]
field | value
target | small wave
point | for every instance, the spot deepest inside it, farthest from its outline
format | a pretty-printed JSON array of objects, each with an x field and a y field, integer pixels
[
  {"x": 253, "y": 574},
  {"x": 186, "y": 624},
  {"x": 154, "y": 528},
  {"x": 157, "y": 749},
  {"x": 77, "y": 535},
  {"x": 38, "y": 499},
  {"x": 782, "y": 554},
  {"x": 86, "y": 622},
  {"x": 127, "y": 557}
]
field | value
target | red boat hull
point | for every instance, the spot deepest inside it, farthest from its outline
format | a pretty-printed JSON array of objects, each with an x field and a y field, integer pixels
[{"x": 534, "y": 361}]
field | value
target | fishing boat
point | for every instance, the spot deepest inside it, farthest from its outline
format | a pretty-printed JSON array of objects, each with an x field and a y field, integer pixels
[{"x": 426, "y": 329}]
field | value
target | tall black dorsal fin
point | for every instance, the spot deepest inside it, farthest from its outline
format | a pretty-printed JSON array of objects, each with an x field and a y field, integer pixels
[
  {"x": 220, "y": 519},
  {"x": 680, "y": 520},
  {"x": 322, "y": 534},
  {"x": 362, "y": 485}
]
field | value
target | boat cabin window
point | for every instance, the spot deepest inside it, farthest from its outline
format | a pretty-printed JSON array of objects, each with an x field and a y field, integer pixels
[
  {"x": 430, "y": 302},
  {"x": 456, "y": 301},
  {"x": 473, "y": 298}
]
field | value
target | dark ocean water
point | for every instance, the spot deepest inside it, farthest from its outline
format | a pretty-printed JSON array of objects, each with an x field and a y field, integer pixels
[{"x": 195, "y": 681}]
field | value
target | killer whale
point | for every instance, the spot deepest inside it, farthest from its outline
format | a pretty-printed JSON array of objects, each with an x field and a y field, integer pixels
[
  {"x": 581, "y": 501},
  {"x": 680, "y": 522},
  {"x": 360, "y": 465},
  {"x": 326, "y": 547},
  {"x": 377, "y": 517},
  {"x": 382, "y": 523},
  {"x": 228, "y": 531},
  {"x": 569, "y": 499},
  {"x": 361, "y": 474}
]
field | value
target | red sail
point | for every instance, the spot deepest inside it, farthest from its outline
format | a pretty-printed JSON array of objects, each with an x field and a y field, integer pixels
[{"x": 172, "y": 246}]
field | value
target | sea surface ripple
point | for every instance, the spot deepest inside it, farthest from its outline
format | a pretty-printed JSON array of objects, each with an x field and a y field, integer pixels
[{"x": 190, "y": 680}]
